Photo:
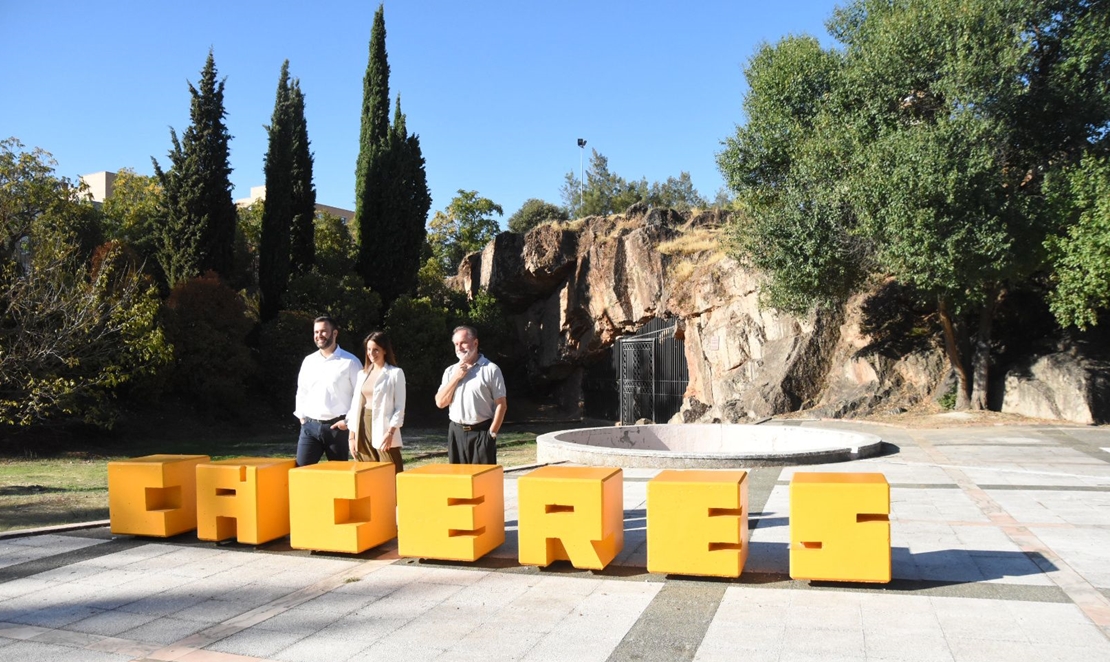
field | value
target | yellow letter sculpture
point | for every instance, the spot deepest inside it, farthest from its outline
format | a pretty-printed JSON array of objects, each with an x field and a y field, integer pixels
[
  {"x": 246, "y": 498},
  {"x": 571, "y": 514},
  {"x": 697, "y": 523},
  {"x": 451, "y": 512},
  {"x": 342, "y": 506},
  {"x": 840, "y": 527},
  {"x": 154, "y": 495}
]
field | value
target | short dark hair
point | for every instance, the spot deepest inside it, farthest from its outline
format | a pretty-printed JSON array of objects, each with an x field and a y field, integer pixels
[
  {"x": 325, "y": 318},
  {"x": 471, "y": 331}
]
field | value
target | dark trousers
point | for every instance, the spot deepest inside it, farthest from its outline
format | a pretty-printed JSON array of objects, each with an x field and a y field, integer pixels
[
  {"x": 318, "y": 438},
  {"x": 470, "y": 447}
]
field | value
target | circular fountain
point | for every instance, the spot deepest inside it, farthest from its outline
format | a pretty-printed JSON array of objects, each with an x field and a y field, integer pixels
[{"x": 704, "y": 446}]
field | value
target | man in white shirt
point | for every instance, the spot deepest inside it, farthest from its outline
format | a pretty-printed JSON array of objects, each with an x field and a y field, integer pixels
[
  {"x": 473, "y": 392},
  {"x": 324, "y": 389}
]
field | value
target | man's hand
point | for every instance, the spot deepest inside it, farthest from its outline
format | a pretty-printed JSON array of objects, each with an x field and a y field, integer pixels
[
  {"x": 460, "y": 372},
  {"x": 339, "y": 425}
]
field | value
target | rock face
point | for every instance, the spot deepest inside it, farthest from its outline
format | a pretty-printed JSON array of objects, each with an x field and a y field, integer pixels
[
  {"x": 1061, "y": 386},
  {"x": 572, "y": 289}
]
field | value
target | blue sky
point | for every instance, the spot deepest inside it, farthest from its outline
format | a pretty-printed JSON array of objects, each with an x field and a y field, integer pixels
[{"x": 498, "y": 92}]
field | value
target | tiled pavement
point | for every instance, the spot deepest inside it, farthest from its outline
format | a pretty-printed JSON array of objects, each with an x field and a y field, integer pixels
[{"x": 1001, "y": 541}]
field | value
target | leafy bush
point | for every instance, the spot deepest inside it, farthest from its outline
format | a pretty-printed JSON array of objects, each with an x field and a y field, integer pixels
[
  {"x": 355, "y": 307},
  {"x": 207, "y": 323},
  {"x": 71, "y": 341},
  {"x": 421, "y": 339},
  {"x": 533, "y": 212},
  {"x": 283, "y": 343}
]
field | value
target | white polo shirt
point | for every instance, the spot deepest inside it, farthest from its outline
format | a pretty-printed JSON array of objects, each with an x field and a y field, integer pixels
[{"x": 476, "y": 394}]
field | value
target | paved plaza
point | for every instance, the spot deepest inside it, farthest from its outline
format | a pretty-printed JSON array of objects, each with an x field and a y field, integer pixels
[{"x": 1001, "y": 551}]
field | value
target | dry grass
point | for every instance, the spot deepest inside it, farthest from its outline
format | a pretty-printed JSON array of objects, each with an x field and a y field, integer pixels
[
  {"x": 699, "y": 240},
  {"x": 571, "y": 226}
]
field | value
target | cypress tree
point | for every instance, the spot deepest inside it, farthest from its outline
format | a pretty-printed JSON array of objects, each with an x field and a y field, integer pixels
[
  {"x": 373, "y": 145},
  {"x": 410, "y": 201},
  {"x": 277, "y": 213},
  {"x": 303, "y": 248},
  {"x": 391, "y": 192},
  {"x": 198, "y": 231}
]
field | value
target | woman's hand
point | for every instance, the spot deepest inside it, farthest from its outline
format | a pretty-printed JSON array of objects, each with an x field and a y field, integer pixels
[
  {"x": 387, "y": 441},
  {"x": 352, "y": 444}
]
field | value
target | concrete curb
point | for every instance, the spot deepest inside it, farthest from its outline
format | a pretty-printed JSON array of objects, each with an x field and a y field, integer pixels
[{"x": 60, "y": 528}]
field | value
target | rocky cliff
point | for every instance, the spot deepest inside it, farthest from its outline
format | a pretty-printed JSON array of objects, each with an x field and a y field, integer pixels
[{"x": 572, "y": 289}]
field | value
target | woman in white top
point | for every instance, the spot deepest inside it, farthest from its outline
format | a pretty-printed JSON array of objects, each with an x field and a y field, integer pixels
[{"x": 378, "y": 406}]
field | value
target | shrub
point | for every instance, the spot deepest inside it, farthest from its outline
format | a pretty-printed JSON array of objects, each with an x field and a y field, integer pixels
[
  {"x": 355, "y": 307},
  {"x": 421, "y": 339},
  {"x": 283, "y": 343},
  {"x": 207, "y": 323}
]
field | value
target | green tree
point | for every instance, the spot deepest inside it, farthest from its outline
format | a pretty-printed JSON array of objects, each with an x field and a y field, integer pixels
[
  {"x": 336, "y": 251},
  {"x": 919, "y": 151},
  {"x": 1081, "y": 256},
  {"x": 534, "y": 212},
  {"x": 303, "y": 247},
  {"x": 277, "y": 215},
  {"x": 131, "y": 212},
  {"x": 207, "y": 323},
  {"x": 199, "y": 216},
  {"x": 464, "y": 227},
  {"x": 77, "y": 327},
  {"x": 391, "y": 191},
  {"x": 676, "y": 193},
  {"x": 606, "y": 192},
  {"x": 420, "y": 333}
]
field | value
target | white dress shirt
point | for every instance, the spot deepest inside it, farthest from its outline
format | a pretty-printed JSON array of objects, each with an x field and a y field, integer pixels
[{"x": 325, "y": 385}]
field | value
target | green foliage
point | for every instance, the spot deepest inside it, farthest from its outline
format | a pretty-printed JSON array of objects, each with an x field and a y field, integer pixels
[
  {"x": 248, "y": 237},
  {"x": 355, "y": 307},
  {"x": 421, "y": 338},
  {"x": 534, "y": 212},
  {"x": 676, "y": 193},
  {"x": 919, "y": 150},
  {"x": 431, "y": 285},
  {"x": 207, "y": 323},
  {"x": 464, "y": 227},
  {"x": 303, "y": 233},
  {"x": 74, "y": 333},
  {"x": 131, "y": 213},
  {"x": 198, "y": 232},
  {"x": 335, "y": 248},
  {"x": 1081, "y": 257},
  {"x": 283, "y": 343},
  {"x": 606, "y": 192},
  {"x": 495, "y": 331},
  {"x": 277, "y": 215},
  {"x": 391, "y": 188}
]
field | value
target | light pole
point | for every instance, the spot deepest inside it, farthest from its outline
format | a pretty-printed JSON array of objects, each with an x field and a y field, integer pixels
[{"x": 581, "y": 173}]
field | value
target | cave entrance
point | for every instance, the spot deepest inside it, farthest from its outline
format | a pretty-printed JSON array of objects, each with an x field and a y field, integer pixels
[{"x": 652, "y": 372}]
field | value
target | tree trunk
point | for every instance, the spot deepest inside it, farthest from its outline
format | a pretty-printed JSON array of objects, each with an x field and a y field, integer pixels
[
  {"x": 981, "y": 360},
  {"x": 954, "y": 340}
]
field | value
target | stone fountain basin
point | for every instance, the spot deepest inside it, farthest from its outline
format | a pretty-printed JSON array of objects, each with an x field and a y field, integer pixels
[{"x": 704, "y": 446}]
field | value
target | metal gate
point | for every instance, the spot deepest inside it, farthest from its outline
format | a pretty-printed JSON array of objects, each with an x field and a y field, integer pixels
[{"x": 652, "y": 372}]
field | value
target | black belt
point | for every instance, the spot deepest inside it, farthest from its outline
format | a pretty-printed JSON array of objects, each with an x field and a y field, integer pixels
[
  {"x": 327, "y": 422},
  {"x": 477, "y": 427}
]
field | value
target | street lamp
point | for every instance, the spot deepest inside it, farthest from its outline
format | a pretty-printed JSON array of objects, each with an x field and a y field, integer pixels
[{"x": 581, "y": 173}]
